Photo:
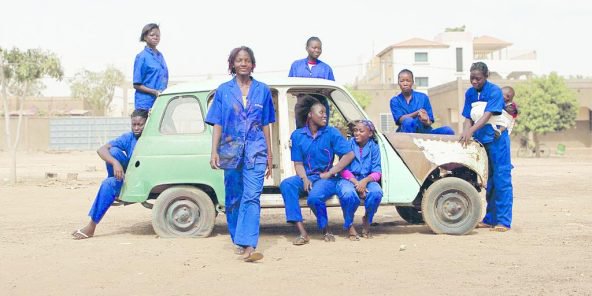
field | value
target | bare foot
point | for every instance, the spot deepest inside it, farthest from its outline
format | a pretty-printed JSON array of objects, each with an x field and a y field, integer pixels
[
  {"x": 366, "y": 228},
  {"x": 353, "y": 234}
]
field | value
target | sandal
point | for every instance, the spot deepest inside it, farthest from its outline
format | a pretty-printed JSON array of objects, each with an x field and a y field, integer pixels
[
  {"x": 300, "y": 240},
  {"x": 255, "y": 256},
  {"x": 354, "y": 237},
  {"x": 367, "y": 234},
  {"x": 328, "y": 237},
  {"x": 239, "y": 250},
  {"x": 483, "y": 225},
  {"x": 500, "y": 228}
]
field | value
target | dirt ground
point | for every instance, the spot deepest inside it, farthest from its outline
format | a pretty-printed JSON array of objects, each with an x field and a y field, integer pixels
[{"x": 548, "y": 251}]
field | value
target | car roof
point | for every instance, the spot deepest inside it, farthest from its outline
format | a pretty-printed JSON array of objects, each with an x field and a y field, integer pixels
[{"x": 271, "y": 81}]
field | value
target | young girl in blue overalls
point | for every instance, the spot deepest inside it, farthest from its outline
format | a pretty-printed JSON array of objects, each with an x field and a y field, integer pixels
[
  {"x": 499, "y": 184},
  {"x": 241, "y": 113},
  {"x": 313, "y": 149},
  {"x": 360, "y": 178}
]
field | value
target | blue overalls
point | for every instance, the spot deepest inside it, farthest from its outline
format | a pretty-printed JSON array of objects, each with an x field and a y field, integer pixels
[
  {"x": 316, "y": 154},
  {"x": 399, "y": 107},
  {"x": 363, "y": 165},
  {"x": 243, "y": 154},
  {"x": 321, "y": 70},
  {"x": 150, "y": 70},
  {"x": 121, "y": 149},
  {"x": 499, "y": 185}
]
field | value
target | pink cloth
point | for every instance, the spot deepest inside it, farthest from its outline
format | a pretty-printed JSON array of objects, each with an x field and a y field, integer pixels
[{"x": 346, "y": 174}]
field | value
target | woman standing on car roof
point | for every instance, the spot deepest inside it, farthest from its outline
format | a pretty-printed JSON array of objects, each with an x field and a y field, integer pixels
[
  {"x": 312, "y": 67},
  {"x": 151, "y": 75},
  {"x": 499, "y": 184},
  {"x": 241, "y": 113}
]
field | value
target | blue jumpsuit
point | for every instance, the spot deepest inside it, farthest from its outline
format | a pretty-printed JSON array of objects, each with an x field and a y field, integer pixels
[
  {"x": 399, "y": 107},
  {"x": 243, "y": 154},
  {"x": 363, "y": 165},
  {"x": 150, "y": 70},
  {"x": 321, "y": 70},
  {"x": 316, "y": 154},
  {"x": 121, "y": 149},
  {"x": 499, "y": 185}
]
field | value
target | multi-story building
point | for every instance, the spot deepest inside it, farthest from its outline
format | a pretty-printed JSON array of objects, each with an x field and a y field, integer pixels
[{"x": 439, "y": 61}]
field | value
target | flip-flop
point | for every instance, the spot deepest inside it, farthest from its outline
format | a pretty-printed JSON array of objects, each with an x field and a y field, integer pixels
[
  {"x": 483, "y": 225},
  {"x": 500, "y": 228},
  {"x": 255, "y": 256},
  {"x": 78, "y": 235},
  {"x": 300, "y": 240}
]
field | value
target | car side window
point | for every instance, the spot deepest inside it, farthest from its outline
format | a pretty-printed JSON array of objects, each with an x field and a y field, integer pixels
[{"x": 183, "y": 116}]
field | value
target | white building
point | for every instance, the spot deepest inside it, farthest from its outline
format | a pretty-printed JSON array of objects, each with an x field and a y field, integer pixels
[{"x": 448, "y": 57}]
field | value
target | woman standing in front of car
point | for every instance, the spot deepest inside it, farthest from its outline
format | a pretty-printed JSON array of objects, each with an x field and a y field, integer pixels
[
  {"x": 499, "y": 184},
  {"x": 151, "y": 75},
  {"x": 241, "y": 113}
]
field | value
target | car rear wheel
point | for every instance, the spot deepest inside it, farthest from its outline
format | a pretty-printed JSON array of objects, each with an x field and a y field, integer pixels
[
  {"x": 410, "y": 214},
  {"x": 183, "y": 211},
  {"x": 451, "y": 206}
]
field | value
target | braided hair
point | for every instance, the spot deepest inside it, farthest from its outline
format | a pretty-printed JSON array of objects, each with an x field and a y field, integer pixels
[
  {"x": 303, "y": 106},
  {"x": 367, "y": 123}
]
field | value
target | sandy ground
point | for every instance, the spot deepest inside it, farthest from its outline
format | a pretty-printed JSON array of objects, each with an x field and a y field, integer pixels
[{"x": 548, "y": 252}]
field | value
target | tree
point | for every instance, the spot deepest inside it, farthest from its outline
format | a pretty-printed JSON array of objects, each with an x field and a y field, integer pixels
[
  {"x": 546, "y": 105},
  {"x": 97, "y": 88},
  {"x": 20, "y": 72},
  {"x": 362, "y": 97}
]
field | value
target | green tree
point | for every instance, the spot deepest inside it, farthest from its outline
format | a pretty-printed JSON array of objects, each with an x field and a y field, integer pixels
[
  {"x": 20, "y": 72},
  {"x": 546, "y": 105},
  {"x": 97, "y": 88},
  {"x": 362, "y": 97}
]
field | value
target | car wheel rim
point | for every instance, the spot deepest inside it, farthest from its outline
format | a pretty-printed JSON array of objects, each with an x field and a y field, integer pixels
[
  {"x": 182, "y": 215},
  {"x": 452, "y": 207}
]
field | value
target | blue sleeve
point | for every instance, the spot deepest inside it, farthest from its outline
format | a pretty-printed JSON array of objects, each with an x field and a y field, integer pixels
[
  {"x": 495, "y": 102},
  {"x": 165, "y": 83},
  {"x": 268, "y": 115},
  {"x": 428, "y": 107},
  {"x": 292, "y": 72},
  {"x": 330, "y": 74},
  {"x": 467, "y": 108},
  {"x": 215, "y": 115},
  {"x": 376, "y": 167},
  {"x": 339, "y": 143},
  {"x": 295, "y": 150},
  {"x": 138, "y": 75},
  {"x": 396, "y": 111},
  {"x": 121, "y": 142}
]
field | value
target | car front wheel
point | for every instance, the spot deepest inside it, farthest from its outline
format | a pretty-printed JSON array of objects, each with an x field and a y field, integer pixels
[
  {"x": 451, "y": 206},
  {"x": 183, "y": 211}
]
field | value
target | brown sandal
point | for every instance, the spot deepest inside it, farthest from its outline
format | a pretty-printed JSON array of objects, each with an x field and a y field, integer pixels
[
  {"x": 500, "y": 228},
  {"x": 300, "y": 240}
]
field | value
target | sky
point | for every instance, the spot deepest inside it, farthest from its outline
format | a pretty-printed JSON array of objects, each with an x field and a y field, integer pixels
[{"x": 197, "y": 36}]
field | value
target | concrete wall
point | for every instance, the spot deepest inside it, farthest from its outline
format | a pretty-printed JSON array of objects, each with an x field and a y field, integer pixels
[{"x": 34, "y": 133}]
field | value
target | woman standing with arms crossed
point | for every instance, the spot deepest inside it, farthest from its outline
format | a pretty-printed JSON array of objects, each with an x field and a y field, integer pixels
[
  {"x": 151, "y": 75},
  {"x": 240, "y": 114},
  {"x": 499, "y": 184}
]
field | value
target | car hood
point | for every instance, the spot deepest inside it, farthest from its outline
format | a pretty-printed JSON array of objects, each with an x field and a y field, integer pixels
[{"x": 424, "y": 153}]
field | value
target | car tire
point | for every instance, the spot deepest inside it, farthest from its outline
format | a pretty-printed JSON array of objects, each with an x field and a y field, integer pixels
[
  {"x": 183, "y": 211},
  {"x": 451, "y": 206},
  {"x": 410, "y": 214}
]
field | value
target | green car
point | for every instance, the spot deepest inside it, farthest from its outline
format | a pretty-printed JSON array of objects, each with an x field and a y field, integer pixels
[{"x": 430, "y": 179}]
